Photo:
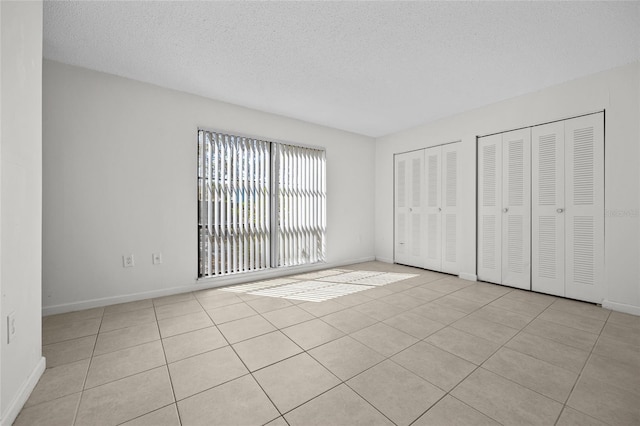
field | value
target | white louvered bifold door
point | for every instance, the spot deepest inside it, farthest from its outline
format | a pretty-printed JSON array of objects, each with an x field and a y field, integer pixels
[
  {"x": 516, "y": 209},
  {"x": 416, "y": 210},
  {"x": 548, "y": 209},
  {"x": 401, "y": 209},
  {"x": 584, "y": 186},
  {"x": 409, "y": 222},
  {"x": 433, "y": 209},
  {"x": 449, "y": 202},
  {"x": 490, "y": 208}
]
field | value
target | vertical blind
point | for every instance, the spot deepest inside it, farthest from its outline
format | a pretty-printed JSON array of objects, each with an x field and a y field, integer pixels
[
  {"x": 260, "y": 204},
  {"x": 301, "y": 204},
  {"x": 234, "y": 204}
]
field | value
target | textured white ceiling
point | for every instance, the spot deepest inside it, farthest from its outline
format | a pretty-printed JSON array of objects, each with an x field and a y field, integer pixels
[{"x": 372, "y": 68}]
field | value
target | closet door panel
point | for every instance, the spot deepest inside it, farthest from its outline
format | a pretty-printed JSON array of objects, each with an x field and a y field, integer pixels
[
  {"x": 516, "y": 218},
  {"x": 416, "y": 209},
  {"x": 489, "y": 208},
  {"x": 584, "y": 172},
  {"x": 409, "y": 221},
  {"x": 449, "y": 201},
  {"x": 433, "y": 232},
  {"x": 548, "y": 209},
  {"x": 401, "y": 207}
]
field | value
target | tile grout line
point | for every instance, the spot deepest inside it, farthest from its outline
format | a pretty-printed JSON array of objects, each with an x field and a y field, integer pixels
[
  {"x": 139, "y": 372},
  {"x": 340, "y": 381},
  {"x": 127, "y": 347},
  {"x": 532, "y": 390},
  {"x": 477, "y": 366},
  {"x": 306, "y": 352},
  {"x": 129, "y": 375},
  {"x": 166, "y": 365},
  {"x": 249, "y": 372},
  {"x": 257, "y": 313},
  {"x": 345, "y": 308},
  {"x": 152, "y": 411},
  {"x": 580, "y": 376},
  {"x": 86, "y": 376},
  {"x": 387, "y": 358}
]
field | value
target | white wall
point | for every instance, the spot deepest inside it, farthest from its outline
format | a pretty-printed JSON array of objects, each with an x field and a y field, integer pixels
[
  {"x": 615, "y": 91},
  {"x": 20, "y": 201},
  {"x": 120, "y": 177}
]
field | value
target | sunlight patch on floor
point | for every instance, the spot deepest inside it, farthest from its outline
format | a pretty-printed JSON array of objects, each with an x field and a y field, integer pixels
[{"x": 319, "y": 286}]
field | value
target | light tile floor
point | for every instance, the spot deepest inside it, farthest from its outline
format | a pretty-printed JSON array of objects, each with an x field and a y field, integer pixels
[{"x": 428, "y": 350}]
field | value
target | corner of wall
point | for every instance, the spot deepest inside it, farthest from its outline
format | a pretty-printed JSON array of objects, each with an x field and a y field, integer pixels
[
  {"x": 14, "y": 407},
  {"x": 21, "y": 361}
]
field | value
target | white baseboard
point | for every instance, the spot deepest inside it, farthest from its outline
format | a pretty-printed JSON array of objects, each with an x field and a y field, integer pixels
[
  {"x": 12, "y": 411},
  {"x": 201, "y": 284},
  {"x": 468, "y": 277},
  {"x": 621, "y": 307},
  {"x": 112, "y": 300},
  {"x": 351, "y": 262}
]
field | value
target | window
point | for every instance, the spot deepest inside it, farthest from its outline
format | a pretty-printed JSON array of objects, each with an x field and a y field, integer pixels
[{"x": 260, "y": 204}]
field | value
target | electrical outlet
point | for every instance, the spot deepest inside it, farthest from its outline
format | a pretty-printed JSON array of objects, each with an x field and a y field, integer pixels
[
  {"x": 11, "y": 327},
  {"x": 128, "y": 261},
  {"x": 156, "y": 258}
]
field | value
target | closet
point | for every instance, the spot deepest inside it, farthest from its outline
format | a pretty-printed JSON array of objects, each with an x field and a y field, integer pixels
[
  {"x": 426, "y": 208},
  {"x": 541, "y": 208}
]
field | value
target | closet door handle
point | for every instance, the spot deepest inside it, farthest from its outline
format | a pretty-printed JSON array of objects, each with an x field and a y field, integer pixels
[
  {"x": 559, "y": 210},
  {"x": 439, "y": 209},
  {"x": 506, "y": 209}
]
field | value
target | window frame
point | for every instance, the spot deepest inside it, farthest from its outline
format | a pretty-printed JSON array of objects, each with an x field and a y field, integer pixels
[{"x": 274, "y": 262}]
